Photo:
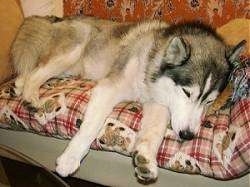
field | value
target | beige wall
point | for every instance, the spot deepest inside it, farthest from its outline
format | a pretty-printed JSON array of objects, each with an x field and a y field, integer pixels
[
  {"x": 10, "y": 19},
  {"x": 42, "y": 7}
]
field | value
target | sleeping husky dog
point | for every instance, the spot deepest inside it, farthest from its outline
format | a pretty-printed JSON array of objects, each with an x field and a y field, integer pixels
[{"x": 174, "y": 71}]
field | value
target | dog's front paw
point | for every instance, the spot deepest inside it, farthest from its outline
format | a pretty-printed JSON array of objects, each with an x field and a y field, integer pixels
[
  {"x": 145, "y": 168},
  {"x": 67, "y": 164},
  {"x": 19, "y": 84},
  {"x": 18, "y": 91},
  {"x": 32, "y": 97}
]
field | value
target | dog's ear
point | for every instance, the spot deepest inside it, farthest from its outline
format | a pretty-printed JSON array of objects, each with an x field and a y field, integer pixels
[
  {"x": 177, "y": 52},
  {"x": 233, "y": 53}
]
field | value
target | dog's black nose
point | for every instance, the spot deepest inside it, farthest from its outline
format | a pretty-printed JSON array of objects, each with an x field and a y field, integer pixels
[{"x": 186, "y": 135}]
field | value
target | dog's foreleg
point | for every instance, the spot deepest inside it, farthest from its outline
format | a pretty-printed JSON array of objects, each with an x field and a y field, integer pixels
[
  {"x": 54, "y": 67},
  {"x": 154, "y": 123},
  {"x": 104, "y": 97}
]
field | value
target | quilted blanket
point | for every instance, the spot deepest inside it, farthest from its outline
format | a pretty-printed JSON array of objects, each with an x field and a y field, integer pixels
[{"x": 221, "y": 149}]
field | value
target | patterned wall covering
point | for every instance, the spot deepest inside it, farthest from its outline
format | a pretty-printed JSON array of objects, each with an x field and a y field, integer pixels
[{"x": 214, "y": 12}]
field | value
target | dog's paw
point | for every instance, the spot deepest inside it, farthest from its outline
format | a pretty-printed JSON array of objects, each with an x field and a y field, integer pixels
[
  {"x": 18, "y": 91},
  {"x": 67, "y": 164},
  {"x": 32, "y": 98},
  {"x": 19, "y": 84},
  {"x": 145, "y": 168}
]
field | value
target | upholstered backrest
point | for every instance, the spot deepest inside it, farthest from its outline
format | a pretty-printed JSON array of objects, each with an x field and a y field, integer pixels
[{"x": 214, "y": 12}]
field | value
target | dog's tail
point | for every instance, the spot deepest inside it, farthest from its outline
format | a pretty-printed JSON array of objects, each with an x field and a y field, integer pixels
[{"x": 32, "y": 39}]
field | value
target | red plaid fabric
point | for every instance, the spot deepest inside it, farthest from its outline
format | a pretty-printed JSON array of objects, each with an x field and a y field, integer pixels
[{"x": 224, "y": 131}]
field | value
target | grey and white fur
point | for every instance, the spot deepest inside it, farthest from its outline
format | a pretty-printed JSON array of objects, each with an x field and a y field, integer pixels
[{"x": 174, "y": 71}]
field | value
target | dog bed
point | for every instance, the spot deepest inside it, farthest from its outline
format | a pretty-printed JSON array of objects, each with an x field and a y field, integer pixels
[{"x": 221, "y": 149}]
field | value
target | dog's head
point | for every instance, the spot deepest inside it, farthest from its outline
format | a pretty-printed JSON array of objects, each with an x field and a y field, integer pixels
[{"x": 193, "y": 70}]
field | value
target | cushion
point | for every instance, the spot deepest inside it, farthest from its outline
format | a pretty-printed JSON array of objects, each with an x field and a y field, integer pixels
[
  {"x": 221, "y": 149},
  {"x": 235, "y": 31},
  {"x": 10, "y": 19}
]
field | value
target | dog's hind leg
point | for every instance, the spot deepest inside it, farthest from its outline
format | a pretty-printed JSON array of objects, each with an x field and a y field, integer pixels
[
  {"x": 55, "y": 66},
  {"x": 104, "y": 97},
  {"x": 154, "y": 123}
]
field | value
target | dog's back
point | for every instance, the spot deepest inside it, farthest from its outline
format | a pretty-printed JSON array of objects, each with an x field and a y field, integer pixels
[{"x": 40, "y": 38}]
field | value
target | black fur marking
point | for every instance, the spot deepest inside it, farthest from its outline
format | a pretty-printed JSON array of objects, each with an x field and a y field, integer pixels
[
  {"x": 164, "y": 65},
  {"x": 178, "y": 78},
  {"x": 224, "y": 81},
  {"x": 186, "y": 92},
  {"x": 204, "y": 97},
  {"x": 203, "y": 85},
  {"x": 218, "y": 85},
  {"x": 176, "y": 73}
]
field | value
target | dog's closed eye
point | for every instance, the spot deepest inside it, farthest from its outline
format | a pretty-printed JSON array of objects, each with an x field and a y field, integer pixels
[
  {"x": 209, "y": 102},
  {"x": 187, "y": 93}
]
